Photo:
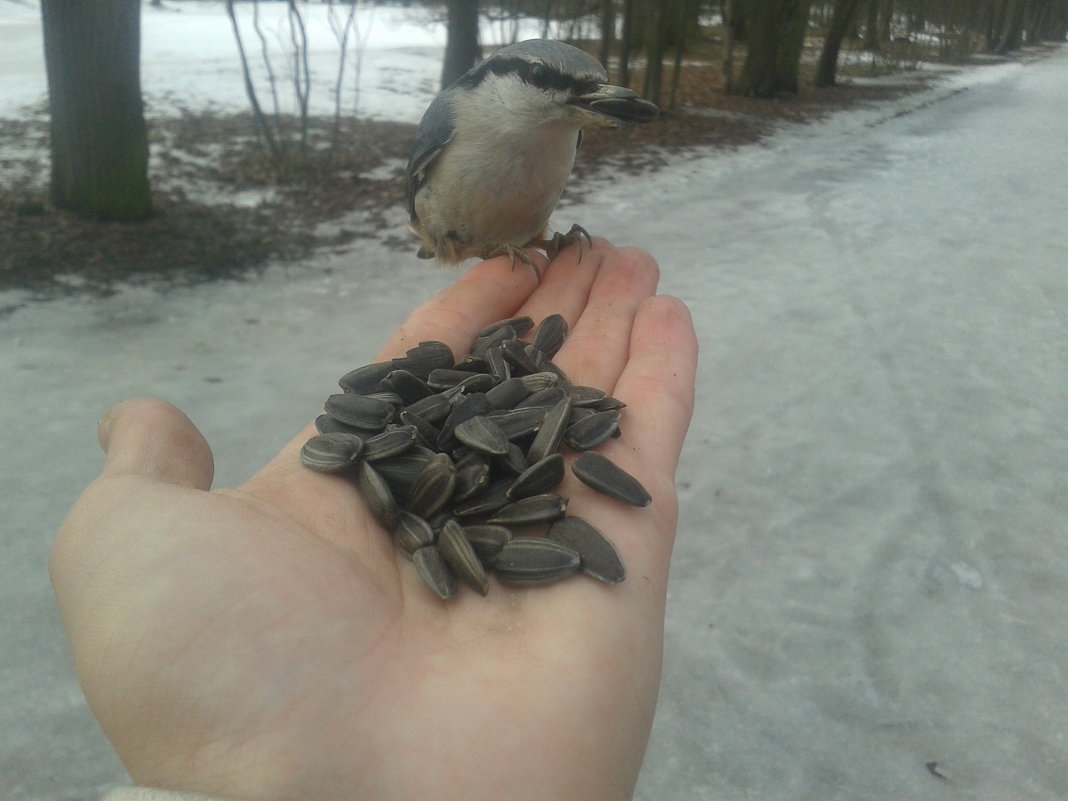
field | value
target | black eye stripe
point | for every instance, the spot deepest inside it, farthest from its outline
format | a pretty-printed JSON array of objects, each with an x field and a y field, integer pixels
[{"x": 536, "y": 73}]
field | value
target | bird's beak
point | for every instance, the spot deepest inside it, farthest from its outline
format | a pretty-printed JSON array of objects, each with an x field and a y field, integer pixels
[{"x": 621, "y": 105}]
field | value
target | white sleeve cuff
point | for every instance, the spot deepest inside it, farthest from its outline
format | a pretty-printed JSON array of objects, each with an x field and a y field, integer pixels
[{"x": 151, "y": 794}]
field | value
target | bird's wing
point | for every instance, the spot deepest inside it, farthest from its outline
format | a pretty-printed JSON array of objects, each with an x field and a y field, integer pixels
[{"x": 434, "y": 133}]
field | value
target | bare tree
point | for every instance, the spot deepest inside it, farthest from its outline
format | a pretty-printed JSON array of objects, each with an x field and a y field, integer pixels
[
  {"x": 626, "y": 37},
  {"x": 608, "y": 30},
  {"x": 1011, "y": 36},
  {"x": 342, "y": 30},
  {"x": 775, "y": 35},
  {"x": 841, "y": 20},
  {"x": 262, "y": 122},
  {"x": 99, "y": 141},
  {"x": 655, "y": 45},
  {"x": 461, "y": 47},
  {"x": 730, "y": 15}
]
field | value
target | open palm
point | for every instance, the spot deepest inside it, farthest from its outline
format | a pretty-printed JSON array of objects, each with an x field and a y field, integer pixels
[{"x": 269, "y": 642}]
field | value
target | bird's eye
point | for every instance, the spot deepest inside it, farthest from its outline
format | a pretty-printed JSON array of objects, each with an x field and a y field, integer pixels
[{"x": 540, "y": 75}]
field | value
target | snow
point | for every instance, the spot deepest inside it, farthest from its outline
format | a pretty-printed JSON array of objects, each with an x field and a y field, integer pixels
[
  {"x": 869, "y": 583},
  {"x": 190, "y": 59}
]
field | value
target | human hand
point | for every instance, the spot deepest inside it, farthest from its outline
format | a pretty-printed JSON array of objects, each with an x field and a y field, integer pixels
[{"x": 269, "y": 642}]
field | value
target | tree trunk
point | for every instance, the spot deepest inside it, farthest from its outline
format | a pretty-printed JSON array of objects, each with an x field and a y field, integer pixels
[
  {"x": 728, "y": 46},
  {"x": 1012, "y": 32},
  {"x": 871, "y": 27},
  {"x": 99, "y": 141},
  {"x": 655, "y": 46},
  {"x": 461, "y": 47},
  {"x": 791, "y": 45},
  {"x": 776, "y": 31},
  {"x": 608, "y": 31},
  {"x": 827, "y": 69},
  {"x": 625, "y": 42}
]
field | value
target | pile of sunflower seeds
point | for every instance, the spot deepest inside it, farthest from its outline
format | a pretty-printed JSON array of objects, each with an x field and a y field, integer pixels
[{"x": 459, "y": 457}]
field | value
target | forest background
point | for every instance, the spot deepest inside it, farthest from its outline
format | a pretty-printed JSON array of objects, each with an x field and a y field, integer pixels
[{"x": 90, "y": 185}]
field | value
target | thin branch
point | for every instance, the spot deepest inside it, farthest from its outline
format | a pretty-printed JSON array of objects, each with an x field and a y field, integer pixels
[{"x": 250, "y": 89}]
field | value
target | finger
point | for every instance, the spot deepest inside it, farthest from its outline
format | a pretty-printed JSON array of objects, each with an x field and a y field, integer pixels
[
  {"x": 152, "y": 438},
  {"x": 491, "y": 290},
  {"x": 598, "y": 348},
  {"x": 658, "y": 383},
  {"x": 565, "y": 284}
]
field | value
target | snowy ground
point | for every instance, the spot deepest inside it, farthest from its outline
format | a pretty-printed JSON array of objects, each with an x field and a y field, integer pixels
[
  {"x": 189, "y": 58},
  {"x": 868, "y": 592}
]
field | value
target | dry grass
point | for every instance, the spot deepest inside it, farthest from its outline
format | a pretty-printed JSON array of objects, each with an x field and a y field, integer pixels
[{"x": 223, "y": 208}]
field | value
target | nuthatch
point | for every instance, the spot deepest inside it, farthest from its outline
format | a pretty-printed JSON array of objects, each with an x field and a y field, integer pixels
[{"x": 495, "y": 149}]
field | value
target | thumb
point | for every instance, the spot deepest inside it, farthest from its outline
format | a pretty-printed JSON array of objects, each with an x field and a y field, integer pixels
[{"x": 151, "y": 438}]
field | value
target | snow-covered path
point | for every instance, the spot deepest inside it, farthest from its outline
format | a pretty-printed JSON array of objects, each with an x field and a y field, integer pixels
[
  {"x": 868, "y": 592},
  {"x": 873, "y": 565}
]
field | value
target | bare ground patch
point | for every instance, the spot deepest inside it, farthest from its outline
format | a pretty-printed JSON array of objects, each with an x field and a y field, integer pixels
[{"x": 223, "y": 209}]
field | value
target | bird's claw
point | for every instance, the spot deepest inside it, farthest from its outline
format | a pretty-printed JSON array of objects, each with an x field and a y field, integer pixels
[{"x": 561, "y": 241}]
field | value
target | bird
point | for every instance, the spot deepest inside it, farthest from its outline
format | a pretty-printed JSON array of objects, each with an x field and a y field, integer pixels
[{"x": 494, "y": 150}]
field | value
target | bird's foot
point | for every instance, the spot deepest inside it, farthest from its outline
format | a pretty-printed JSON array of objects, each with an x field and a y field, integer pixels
[
  {"x": 515, "y": 253},
  {"x": 560, "y": 241}
]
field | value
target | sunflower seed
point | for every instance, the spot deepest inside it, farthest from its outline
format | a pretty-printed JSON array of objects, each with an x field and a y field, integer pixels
[
  {"x": 550, "y": 335},
  {"x": 369, "y": 414},
  {"x": 478, "y": 383},
  {"x": 389, "y": 443},
  {"x": 467, "y": 407},
  {"x": 461, "y": 557},
  {"x": 577, "y": 413},
  {"x": 540, "y": 477},
  {"x": 425, "y": 357},
  {"x": 585, "y": 396},
  {"x": 514, "y": 461},
  {"x": 535, "y": 382},
  {"x": 543, "y": 508},
  {"x": 482, "y": 435},
  {"x": 516, "y": 354},
  {"x": 593, "y": 430},
  {"x": 325, "y": 424},
  {"x": 433, "y": 408},
  {"x": 603, "y": 475},
  {"x": 507, "y": 393},
  {"x": 561, "y": 377},
  {"x": 487, "y": 502},
  {"x": 433, "y": 487},
  {"x": 331, "y": 453},
  {"x": 497, "y": 364},
  {"x": 434, "y": 572},
  {"x": 446, "y": 378},
  {"x": 517, "y": 423},
  {"x": 392, "y": 398},
  {"x": 400, "y": 472},
  {"x": 412, "y": 533},
  {"x": 492, "y": 340},
  {"x": 547, "y": 440},
  {"x": 472, "y": 476},
  {"x": 598, "y": 557},
  {"x": 606, "y": 403},
  {"x": 537, "y": 357},
  {"x": 472, "y": 364},
  {"x": 519, "y": 324},
  {"x": 487, "y": 541},
  {"x": 533, "y": 561},
  {"x": 378, "y": 495},
  {"x": 366, "y": 378},
  {"x": 408, "y": 385},
  {"x": 543, "y": 398},
  {"x": 427, "y": 434}
]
